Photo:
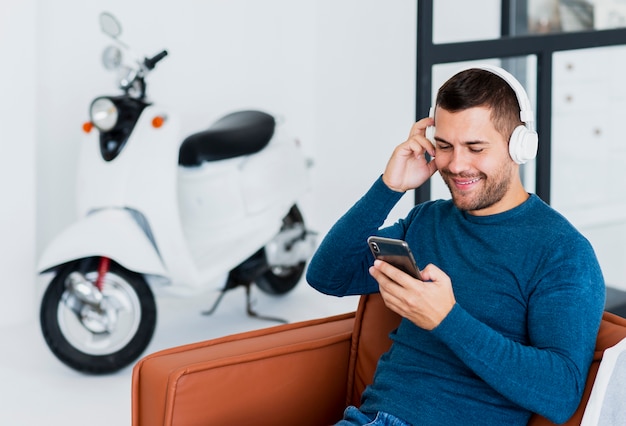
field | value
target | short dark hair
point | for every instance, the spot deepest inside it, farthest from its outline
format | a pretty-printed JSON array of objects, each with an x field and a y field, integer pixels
[{"x": 476, "y": 87}]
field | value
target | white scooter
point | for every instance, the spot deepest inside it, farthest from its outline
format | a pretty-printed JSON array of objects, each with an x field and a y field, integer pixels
[{"x": 218, "y": 209}]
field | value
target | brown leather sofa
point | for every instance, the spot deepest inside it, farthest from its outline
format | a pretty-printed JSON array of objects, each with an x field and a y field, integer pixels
[{"x": 296, "y": 374}]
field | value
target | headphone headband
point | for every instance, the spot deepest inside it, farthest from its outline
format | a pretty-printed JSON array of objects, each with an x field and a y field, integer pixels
[{"x": 526, "y": 113}]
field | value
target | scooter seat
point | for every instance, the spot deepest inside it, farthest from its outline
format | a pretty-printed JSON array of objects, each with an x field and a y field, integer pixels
[{"x": 235, "y": 134}]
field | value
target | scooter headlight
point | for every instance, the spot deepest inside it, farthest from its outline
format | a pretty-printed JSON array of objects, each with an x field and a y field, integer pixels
[{"x": 104, "y": 114}]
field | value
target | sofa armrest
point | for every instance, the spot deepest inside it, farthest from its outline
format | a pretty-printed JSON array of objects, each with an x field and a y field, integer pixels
[{"x": 288, "y": 374}]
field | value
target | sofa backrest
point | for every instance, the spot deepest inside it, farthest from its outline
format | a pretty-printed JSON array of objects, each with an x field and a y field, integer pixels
[{"x": 370, "y": 340}]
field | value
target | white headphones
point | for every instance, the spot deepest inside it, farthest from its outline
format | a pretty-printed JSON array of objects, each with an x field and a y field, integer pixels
[{"x": 524, "y": 140}]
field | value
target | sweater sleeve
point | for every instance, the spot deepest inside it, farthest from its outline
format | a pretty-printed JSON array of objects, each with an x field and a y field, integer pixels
[
  {"x": 548, "y": 375},
  {"x": 341, "y": 263}
]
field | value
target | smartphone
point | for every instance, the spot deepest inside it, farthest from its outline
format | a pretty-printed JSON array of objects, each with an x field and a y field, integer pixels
[{"x": 396, "y": 253}]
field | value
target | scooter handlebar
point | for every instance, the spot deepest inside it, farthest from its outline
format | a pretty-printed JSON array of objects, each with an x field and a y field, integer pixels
[{"x": 150, "y": 63}]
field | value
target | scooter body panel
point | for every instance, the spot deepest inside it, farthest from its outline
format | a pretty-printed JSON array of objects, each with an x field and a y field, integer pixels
[
  {"x": 204, "y": 220},
  {"x": 143, "y": 177},
  {"x": 110, "y": 233},
  {"x": 231, "y": 208},
  {"x": 276, "y": 175}
]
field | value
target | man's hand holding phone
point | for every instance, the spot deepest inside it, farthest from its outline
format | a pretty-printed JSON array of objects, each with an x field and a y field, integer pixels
[
  {"x": 395, "y": 252},
  {"x": 425, "y": 301}
]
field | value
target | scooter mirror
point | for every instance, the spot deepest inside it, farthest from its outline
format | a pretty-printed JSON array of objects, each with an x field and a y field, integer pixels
[
  {"x": 110, "y": 25},
  {"x": 111, "y": 57}
]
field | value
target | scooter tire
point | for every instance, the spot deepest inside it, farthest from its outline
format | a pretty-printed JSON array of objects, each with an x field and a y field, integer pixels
[
  {"x": 282, "y": 281},
  {"x": 273, "y": 284},
  {"x": 99, "y": 360}
]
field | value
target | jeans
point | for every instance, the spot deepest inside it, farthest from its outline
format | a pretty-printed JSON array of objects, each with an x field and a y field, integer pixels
[{"x": 352, "y": 416}]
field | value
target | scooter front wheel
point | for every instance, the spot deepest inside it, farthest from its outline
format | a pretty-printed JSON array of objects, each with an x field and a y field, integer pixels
[{"x": 97, "y": 330}]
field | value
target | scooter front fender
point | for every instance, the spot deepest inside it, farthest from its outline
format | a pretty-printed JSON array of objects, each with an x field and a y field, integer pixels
[{"x": 112, "y": 233}]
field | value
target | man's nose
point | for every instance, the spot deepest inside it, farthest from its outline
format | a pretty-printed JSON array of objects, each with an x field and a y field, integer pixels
[{"x": 459, "y": 161}]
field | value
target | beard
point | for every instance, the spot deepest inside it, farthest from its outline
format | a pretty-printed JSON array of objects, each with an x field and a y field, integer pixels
[{"x": 493, "y": 189}]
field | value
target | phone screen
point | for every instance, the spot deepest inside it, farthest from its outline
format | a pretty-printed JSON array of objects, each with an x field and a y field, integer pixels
[{"x": 394, "y": 252}]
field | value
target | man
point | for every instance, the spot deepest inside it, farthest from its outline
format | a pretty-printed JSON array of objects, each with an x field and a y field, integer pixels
[{"x": 505, "y": 322}]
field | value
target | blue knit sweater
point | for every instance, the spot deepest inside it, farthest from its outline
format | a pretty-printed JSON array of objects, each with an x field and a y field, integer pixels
[{"x": 520, "y": 339}]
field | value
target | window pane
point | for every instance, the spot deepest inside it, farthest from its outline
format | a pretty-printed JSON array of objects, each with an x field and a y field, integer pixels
[
  {"x": 556, "y": 16},
  {"x": 527, "y": 17},
  {"x": 588, "y": 151},
  {"x": 451, "y": 23}
]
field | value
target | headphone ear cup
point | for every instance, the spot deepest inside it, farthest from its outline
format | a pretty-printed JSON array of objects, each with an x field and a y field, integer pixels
[
  {"x": 430, "y": 130},
  {"x": 430, "y": 134},
  {"x": 523, "y": 144}
]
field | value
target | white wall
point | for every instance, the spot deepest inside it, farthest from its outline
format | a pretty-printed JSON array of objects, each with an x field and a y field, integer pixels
[{"x": 17, "y": 169}]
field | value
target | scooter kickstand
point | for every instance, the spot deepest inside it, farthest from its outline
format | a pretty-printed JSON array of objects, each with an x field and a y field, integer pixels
[
  {"x": 216, "y": 303},
  {"x": 232, "y": 283},
  {"x": 253, "y": 314}
]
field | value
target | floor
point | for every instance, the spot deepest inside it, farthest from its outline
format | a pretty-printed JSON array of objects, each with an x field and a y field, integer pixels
[{"x": 38, "y": 390}]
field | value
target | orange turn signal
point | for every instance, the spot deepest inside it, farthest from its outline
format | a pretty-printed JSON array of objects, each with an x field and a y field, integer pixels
[
  {"x": 87, "y": 126},
  {"x": 158, "y": 121}
]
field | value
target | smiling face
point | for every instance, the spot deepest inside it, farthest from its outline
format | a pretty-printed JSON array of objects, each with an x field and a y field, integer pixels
[{"x": 474, "y": 162}]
